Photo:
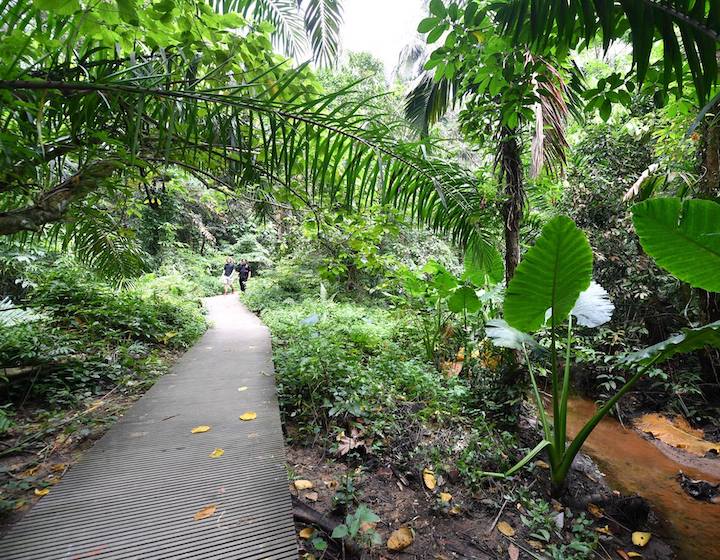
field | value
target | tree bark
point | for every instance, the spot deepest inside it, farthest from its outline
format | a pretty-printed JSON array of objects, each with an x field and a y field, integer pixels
[
  {"x": 52, "y": 205},
  {"x": 512, "y": 176}
]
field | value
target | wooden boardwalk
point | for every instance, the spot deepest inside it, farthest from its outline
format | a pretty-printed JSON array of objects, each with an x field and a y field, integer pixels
[{"x": 135, "y": 493}]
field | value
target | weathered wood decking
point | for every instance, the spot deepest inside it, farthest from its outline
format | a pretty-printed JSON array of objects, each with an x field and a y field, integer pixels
[{"x": 134, "y": 494}]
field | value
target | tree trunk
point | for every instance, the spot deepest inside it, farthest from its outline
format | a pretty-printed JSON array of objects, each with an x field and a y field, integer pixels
[
  {"x": 512, "y": 211},
  {"x": 709, "y": 302}
]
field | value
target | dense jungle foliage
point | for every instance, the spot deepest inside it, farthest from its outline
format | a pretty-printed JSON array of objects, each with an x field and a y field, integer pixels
[{"x": 526, "y": 213}]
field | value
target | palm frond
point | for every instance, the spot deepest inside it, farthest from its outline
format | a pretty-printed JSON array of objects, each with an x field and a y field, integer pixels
[
  {"x": 323, "y": 19},
  {"x": 688, "y": 29}
]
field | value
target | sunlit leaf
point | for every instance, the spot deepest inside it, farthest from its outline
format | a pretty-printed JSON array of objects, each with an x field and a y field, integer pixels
[
  {"x": 400, "y": 539},
  {"x": 593, "y": 306},
  {"x": 245, "y": 416},
  {"x": 200, "y": 429},
  {"x": 506, "y": 529},
  {"x": 429, "y": 479},
  {"x": 217, "y": 453},
  {"x": 503, "y": 335},
  {"x": 303, "y": 484},
  {"x": 640, "y": 538}
]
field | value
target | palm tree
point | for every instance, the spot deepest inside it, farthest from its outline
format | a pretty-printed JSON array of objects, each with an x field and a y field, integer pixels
[
  {"x": 93, "y": 105},
  {"x": 504, "y": 93}
]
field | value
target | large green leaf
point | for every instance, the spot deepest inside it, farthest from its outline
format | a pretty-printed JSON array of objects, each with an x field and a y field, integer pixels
[
  {"x": 464, "y": 298},
  {"x": 687, "y": 341},
  {"x": 483, "y": 263},
  {"x": 551, "y": 276},
  {"x": 682, "y": 237}
]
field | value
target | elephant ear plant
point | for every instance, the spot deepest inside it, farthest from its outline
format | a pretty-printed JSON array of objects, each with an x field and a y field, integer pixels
[{"x": 553, "y": 283}]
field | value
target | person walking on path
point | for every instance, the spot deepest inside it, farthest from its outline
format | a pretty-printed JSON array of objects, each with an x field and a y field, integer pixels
[
  {"x": 228, "y": 276},
  {"x": 244, "y": 273}
]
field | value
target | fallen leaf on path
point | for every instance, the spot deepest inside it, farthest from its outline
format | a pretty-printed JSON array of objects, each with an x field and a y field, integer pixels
[
  {"x": 541, "y": 464},
  {"x": 622, "y": 554},
  {"x": 312, "y": 496},
  {"x": 445, "y": 497},
  {"x": 640, "y": 538},
  {"x": 505, "y": 528},
  {"x": 455, "y": 510},
  {"x": 332, "y": 484},
  {"x": 30, "y": 472},
  {"x": 200, "y": 429},
  {"x": 306, "y": 533},
  {"x": 596, "y": 511},
  {"x": 217, "y": 453},
  {"x": 429, "y": 479},
  {"x": 677, "y": 433},
  {"x": 205, "y": 512},
  {"x": 58, "y": 467},
  {"x": 513, "y": 552},
  {"x": 634, "y": 555},
  {"x": 604, "y": 530},
  {"x": 43, "y": 492},
  {"x": 537, "y": 545},
  {"x": 400, "y": 539},
  {"x": 248, "y": 416},
  {"x": 303, "y": 484},
  {"x": 241, "y": 389}
]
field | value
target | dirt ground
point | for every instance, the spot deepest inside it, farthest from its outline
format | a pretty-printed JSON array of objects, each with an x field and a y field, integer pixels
[{"x": 468, "y": 526}]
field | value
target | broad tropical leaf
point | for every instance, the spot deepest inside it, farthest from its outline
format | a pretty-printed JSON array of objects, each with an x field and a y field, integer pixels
[
  {"x": 463, "y": 299},
  {"x": 593, "y": 307},
  {"x": 687, "y": 341},
  {"x": 683, "y": 237},
  {"x": 551, "y": 275},
  {"x": 503, "y": 335}
]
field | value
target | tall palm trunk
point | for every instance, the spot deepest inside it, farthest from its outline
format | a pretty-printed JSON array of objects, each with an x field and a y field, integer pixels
[
  {"x": 709, "y": 163},
  {"x": 511, "y": 173}
]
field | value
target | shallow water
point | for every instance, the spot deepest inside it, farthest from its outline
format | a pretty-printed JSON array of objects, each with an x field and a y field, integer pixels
[{"x": 634, "y": 464}]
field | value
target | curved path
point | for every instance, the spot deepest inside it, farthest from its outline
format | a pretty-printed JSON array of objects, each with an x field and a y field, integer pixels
[{"x": 136, "y": 491}]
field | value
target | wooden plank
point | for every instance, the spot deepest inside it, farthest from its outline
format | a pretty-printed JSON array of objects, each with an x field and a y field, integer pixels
[{"x": 135, "y": 492}]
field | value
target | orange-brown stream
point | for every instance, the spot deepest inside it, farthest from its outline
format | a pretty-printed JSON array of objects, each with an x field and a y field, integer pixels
[{"x": 634, "y": 464}]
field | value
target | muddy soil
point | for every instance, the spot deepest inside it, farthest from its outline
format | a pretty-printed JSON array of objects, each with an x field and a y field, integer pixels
[{"x": 468, "y": 526}]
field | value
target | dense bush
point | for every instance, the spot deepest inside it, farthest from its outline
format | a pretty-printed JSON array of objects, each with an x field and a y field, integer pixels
[{"x": 87, "y": 336}]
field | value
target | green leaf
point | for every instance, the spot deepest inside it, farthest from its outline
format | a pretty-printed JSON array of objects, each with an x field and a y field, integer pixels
[
  {"x": 437, "y": 8},
  {"x": 551, "y": 275},
  {"x": 464, "y": 298},
  {"x": 682, "y": 237},
  {"x": 687, "y": 341},
  {"x": 435, "y": 34},
  {"x": 60, "y": 7},
  {"x": 126, "y": 9},
  {"x": 427, "y": 24},
  {"x": 340, "y": 532},
  {"x": 483, "y": 264},
  {"x": 444, "y": 283},
  {"x": 606, "y": 110}
]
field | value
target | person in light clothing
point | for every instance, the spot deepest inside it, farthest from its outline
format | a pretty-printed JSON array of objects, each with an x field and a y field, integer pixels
[{"x": 228, "y": 276}]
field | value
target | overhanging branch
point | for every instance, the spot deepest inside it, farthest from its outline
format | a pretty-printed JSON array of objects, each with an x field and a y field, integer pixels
[{"x": 52, "y": 205}]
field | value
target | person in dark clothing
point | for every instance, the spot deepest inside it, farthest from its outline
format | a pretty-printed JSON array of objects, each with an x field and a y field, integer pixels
[
  {"x": 244, "y": 273},
  {"x": 228, "y": 276}
]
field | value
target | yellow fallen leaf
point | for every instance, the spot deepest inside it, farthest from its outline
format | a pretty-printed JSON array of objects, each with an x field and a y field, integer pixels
[
  {"x": 537, "y": 545},
  {"x": 445, "y": 497},
  {"x": 312, "y": 496},
  {"x": 243, "y": 388},
  {"x": 205, "y": 512},
  {"x": 455, "y": 510},
  {"x": 58, "y": 467},
  {"x": 43, "y": 492},
  {"x": 30, "y": 472},
  {"x": 248, "y": 416},
  {"x": 541, "y": 464},
  {"x": 634, "y": 554},
  {"x": 217, "y": 453},
  {"x": 505, "y": 528},
  {"x": 641, "y": 539},
  {"x": 604, "y": 530},
  {"x": 303, "y": 484},
  {"x": 306, "y": 533},
  {"x": 429, "y": 479},
  {"x": 200, "y": 429},
  {"x": 400, "y": 539},
  {"x": 595, "y": 511}
]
